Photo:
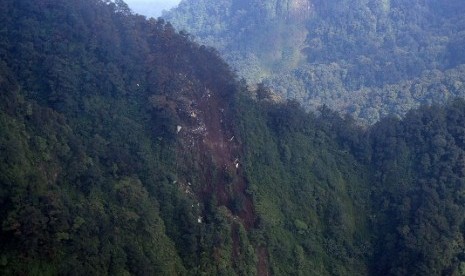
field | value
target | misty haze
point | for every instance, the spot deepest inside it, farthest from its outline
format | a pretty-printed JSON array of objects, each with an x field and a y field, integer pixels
[{"x": 232, "y": 137}]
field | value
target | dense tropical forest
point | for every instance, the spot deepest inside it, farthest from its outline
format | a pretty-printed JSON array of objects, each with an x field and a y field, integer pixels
[
  {"x": 128, "y": 149},
  {"x": 367, "y": 58}
]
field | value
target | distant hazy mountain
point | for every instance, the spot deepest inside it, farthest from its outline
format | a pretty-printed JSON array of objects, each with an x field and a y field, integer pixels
[
  {"x": 128, "y": 149},
  {"x": 368, "y": 58},
  {"x": 151, "y": 8}
]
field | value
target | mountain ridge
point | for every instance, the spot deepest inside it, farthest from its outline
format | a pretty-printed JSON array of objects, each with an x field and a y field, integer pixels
[
  {"x": 349, "y": 45},
  {"x": 127, "y": 148}
]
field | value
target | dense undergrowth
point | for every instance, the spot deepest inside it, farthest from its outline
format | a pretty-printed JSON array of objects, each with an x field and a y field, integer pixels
[{"x": 125, "y": 148}]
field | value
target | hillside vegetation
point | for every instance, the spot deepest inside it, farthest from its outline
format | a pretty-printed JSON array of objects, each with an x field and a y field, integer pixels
[
  {"x": 366, "y": 58},
  {"x": 128, "y": 149}
]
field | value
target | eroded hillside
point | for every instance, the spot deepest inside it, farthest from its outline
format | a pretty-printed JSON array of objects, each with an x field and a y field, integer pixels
[{"x": 128, "y": 149}]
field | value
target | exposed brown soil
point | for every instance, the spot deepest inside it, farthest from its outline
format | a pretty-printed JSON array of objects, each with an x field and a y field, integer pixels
[
  {"x": 262, "y": 266},
  {"x": 211, "y": 139},
  {"x": 207, "y": 135}
]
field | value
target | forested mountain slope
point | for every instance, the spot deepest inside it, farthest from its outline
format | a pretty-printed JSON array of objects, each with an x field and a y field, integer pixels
[
  {"x": 127, "y": 149},
  {"x": 368, "y": 58}
]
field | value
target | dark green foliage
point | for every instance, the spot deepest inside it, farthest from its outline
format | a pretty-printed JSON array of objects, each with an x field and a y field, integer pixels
[
  {"x": 87, "y": 159},
  {"x": 66, "y": 210},
  {"x": 96, "y": 177},
  {"x": 308, "y": 190},
  {"x": 420, "y": 182},
  {"x": 335, "y": 199}
]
